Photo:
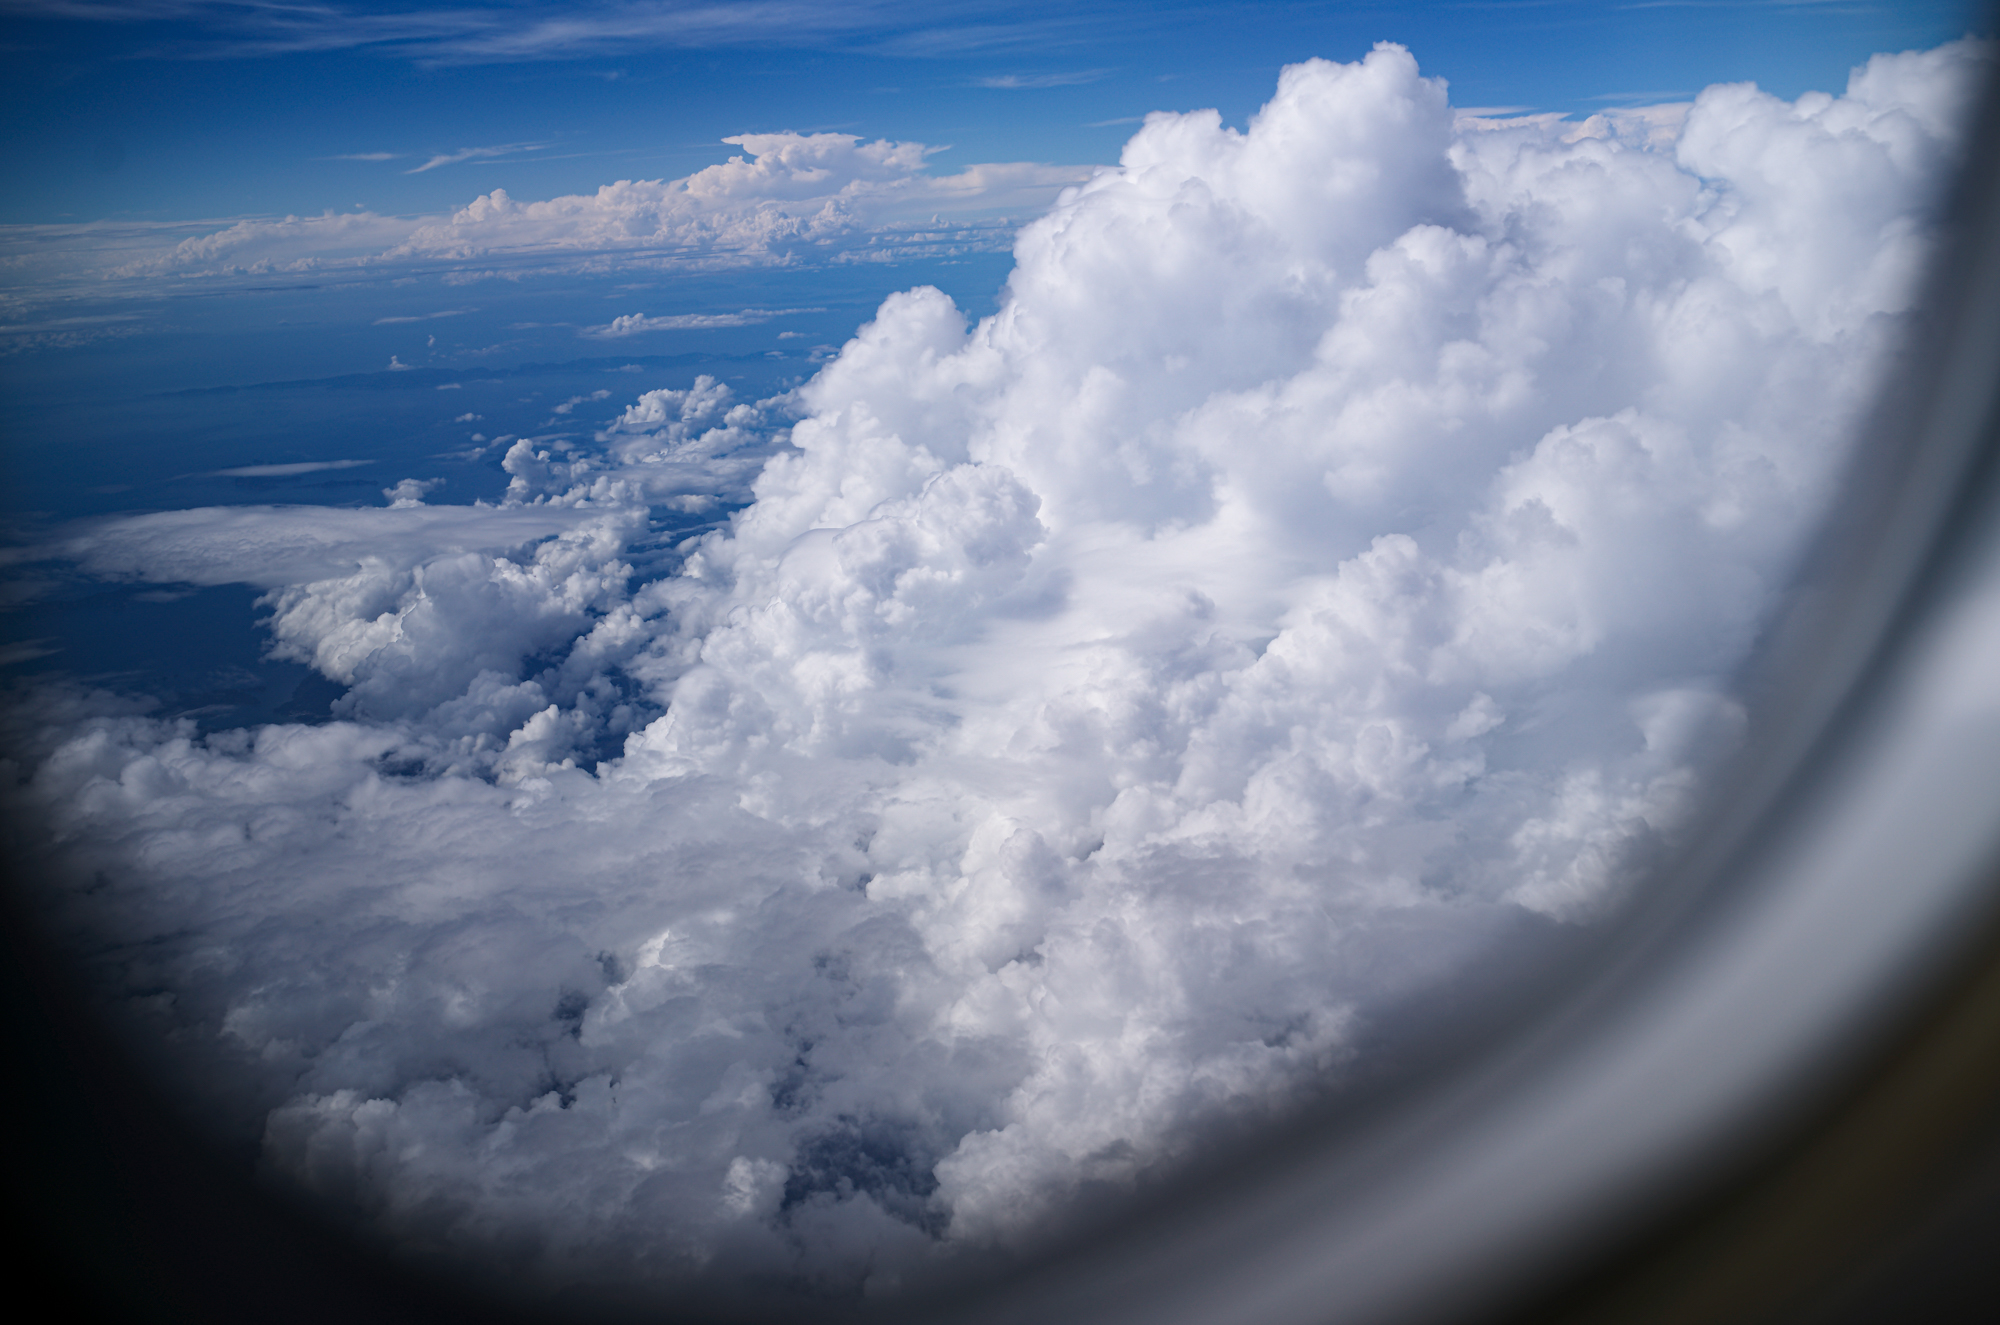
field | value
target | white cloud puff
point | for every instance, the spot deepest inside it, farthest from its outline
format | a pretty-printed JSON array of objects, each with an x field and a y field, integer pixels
[{"x": 1332, "y": 552}]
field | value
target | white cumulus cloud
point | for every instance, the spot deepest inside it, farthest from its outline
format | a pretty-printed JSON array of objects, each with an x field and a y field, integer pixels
[{"x": 1330, "y": 556}]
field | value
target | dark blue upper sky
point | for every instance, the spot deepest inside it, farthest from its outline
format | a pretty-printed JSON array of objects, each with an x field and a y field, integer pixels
[{"x": 176, "y": 109}]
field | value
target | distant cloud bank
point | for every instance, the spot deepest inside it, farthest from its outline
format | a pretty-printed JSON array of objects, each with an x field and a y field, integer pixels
[
  {"x": 785, "y": 198},
  {"x": 1330, "y": 557}
]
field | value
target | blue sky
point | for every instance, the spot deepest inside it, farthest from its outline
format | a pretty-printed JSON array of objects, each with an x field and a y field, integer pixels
[{"x": 179, "y": 109}]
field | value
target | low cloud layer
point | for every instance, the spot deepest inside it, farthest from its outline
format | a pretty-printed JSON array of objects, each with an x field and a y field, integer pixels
[{"x": 1331, "y": 555}]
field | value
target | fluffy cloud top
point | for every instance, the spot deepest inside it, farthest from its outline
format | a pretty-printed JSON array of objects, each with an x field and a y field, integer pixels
[{"x": 1332, "y": 552}]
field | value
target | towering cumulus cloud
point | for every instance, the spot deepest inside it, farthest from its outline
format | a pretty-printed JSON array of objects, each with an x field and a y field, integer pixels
[{"x": 1330, "y": 554}]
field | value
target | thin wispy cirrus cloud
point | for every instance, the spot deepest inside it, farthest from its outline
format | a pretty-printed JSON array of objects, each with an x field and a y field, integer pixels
[
  {"x": 1027, "y": 82},
  {"x": 421, "y": 317},
  {"x": 495, "y": 34},
  {"x": 1073, "y": 729},
  {"x": 504, "y": 151},
  {"x": 288, "y": 470}
]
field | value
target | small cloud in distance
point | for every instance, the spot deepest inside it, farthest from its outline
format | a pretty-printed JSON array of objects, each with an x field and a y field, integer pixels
[
  {"x": 421, "y": 317},
  {"x": 474, "y": 154},
  {"x": 1024, "y": 82},
  {"x": 286, "y": 471},
  {"x": 633, "y": 324}
]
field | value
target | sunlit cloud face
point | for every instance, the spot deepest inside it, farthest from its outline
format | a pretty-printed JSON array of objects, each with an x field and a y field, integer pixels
[{"x": 1089, "y": 720}]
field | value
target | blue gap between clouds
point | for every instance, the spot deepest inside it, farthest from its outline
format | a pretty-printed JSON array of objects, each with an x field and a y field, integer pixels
[{"x": 297, "y": 372}]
